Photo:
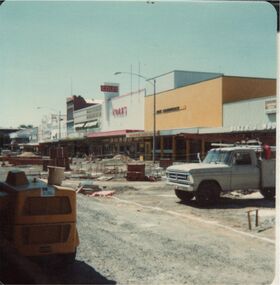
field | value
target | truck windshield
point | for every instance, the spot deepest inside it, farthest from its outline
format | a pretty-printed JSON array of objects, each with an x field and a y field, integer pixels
[{"x": 217, "y": 156}]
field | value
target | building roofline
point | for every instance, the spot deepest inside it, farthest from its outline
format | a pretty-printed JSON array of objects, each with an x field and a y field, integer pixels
[
  {"x": 250, "y": 77},
  {"x": 88, "y": 107},
  {"x": 271, "y": 97},
  {"x": 178, "y": 70},
  {"x": 129, "y": 94},
  {"x": 210, "y": 72},
  {"x": 205, "y": 80},
  {"x": 198, "y": 82}
]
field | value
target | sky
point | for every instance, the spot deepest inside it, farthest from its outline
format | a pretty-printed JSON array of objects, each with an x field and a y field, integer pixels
[{"x": 50, "y": 50}]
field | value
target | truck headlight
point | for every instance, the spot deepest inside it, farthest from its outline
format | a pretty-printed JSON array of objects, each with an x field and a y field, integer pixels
[{"x": 189, "y": 178}]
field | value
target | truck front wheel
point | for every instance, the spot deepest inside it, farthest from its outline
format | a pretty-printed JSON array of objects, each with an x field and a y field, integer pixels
[
  {"x": 184, "y": 195},
  {"x": 207, "y": 193},
  {"x": 268, "y": 193}
]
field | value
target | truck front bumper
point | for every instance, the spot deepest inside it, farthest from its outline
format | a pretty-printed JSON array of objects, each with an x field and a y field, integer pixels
[{"x": 184, "y": 187}]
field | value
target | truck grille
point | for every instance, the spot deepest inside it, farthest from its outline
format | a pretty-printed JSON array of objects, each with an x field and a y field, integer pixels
[
  {"x": 36, "y": 206},
  {"x": 45, "y": 234},
  {"x": 177, "y": 176}
]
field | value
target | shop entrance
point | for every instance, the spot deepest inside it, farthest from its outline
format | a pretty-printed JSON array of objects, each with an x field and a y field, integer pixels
[
  {"x": 195, "y": 149},
  {"x": 180, "y": 149},
  {"x": 148, "y": 151}
]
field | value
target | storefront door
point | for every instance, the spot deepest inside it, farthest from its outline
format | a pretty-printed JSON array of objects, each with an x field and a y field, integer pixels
[{"x": 148, "y": 151}]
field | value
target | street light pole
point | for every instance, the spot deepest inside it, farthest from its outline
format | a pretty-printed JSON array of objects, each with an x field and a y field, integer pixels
[
  {"x": 154, "y": 106},
  {"x": 154, "y": 129},
  {"x": 59, "y": 125}
]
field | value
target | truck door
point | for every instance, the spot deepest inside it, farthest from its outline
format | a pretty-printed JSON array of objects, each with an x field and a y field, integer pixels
[{"x": 245, "y": 173}]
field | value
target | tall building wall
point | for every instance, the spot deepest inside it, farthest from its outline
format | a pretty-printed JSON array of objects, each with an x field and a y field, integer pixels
[
  {"x": 179, "y": 78},
  {"x": 200, "y": 104},
  {"x": 197, "y": 105},
  {"x": 124, "y": 112},
  {"x": 252, "y": 114},
  {"x": 243, "y": 88}
]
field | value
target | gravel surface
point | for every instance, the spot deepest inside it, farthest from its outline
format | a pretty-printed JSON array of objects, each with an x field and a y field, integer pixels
[{"x": 144, "y": 235}]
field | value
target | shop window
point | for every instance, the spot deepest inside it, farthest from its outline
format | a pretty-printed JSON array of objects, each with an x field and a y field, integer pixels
[
  {"x": 157, "y": 143},
  {"x": 167, "y": 142}
]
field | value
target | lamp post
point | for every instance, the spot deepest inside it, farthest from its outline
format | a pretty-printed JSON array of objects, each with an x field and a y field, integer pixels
[
  {"x": 152, "y": 81},
  {"x": 59, "y": 119}
]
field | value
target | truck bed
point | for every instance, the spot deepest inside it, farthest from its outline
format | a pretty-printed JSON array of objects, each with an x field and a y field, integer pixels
[{"x": 268, "y": 175}]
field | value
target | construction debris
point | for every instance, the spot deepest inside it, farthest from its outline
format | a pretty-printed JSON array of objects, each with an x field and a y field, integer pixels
[
  {"x": 153, "y": 178},
  {"x": 87, "y": 188},
  {"x": 28, "y": 154},
  {"x": 92, "y": 190},
  {"x": 102, "y": 194},
  {"x": 120, "y": 167},
  {"x": 123, "y": 158},
  {"x": 59, "y": 157},
  {"x": 105, "y": 178}
]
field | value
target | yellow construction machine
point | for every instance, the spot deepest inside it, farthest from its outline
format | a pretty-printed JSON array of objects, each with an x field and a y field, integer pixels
[{"x": 38, "y": 219}]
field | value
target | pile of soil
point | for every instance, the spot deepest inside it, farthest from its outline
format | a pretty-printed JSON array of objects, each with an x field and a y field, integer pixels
[
  {"x": 123, "y": 158},
  {"x": 28, "y": 154}
]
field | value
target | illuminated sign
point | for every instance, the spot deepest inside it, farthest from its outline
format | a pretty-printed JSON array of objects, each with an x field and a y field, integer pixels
[
  {"x": 122, "y": 111},
  {"x": 109, "y": 88}
]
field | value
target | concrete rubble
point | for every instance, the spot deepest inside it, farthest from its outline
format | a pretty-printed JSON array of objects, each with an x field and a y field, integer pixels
[
  {"x": 118, "y": 167},
  {"x": 107, "y": 197},
  {"x": 84, "y": 175},
  {"x": 85, "y": 171}
]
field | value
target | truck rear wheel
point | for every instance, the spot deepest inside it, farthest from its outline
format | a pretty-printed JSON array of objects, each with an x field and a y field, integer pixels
[
  {"x": 268, "y": 193},
  {"x": 207, "y": 193},
  {"x": 184, "y": 195}
]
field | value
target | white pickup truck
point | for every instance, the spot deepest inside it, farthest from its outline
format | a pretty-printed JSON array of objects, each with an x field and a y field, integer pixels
[{"x": 223, "y": 170}]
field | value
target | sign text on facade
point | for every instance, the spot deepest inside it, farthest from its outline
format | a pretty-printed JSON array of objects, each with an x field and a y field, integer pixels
[
  {"x": 122, "y": 111},
  {"x": 109, "y": 88}
]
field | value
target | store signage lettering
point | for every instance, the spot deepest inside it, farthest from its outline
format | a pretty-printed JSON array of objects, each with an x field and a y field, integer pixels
[
  {"x": 270, "y": 106},
  {"x": 109, "y": 88},
  {"x": 141, "y": 134},
  {"x": 122, "y": 111}
]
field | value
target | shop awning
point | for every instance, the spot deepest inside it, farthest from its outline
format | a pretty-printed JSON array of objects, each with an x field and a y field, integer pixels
[
  {"x": 110, "y": 133},
  {"x": 91, "y": 124},
  {"x": 80, "y": 125}
]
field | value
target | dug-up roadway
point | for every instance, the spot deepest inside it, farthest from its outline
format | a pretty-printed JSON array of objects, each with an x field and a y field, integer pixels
[{"x": 143, "y": 234}]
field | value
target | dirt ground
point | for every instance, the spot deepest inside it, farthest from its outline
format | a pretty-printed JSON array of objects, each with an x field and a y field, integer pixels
[{"x": 145, "y": 235}]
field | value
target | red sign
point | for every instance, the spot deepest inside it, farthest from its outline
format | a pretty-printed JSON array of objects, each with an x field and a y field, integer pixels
[
  {"x": 122, "y": 111},
  {"x": 109, "y": 88}
]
